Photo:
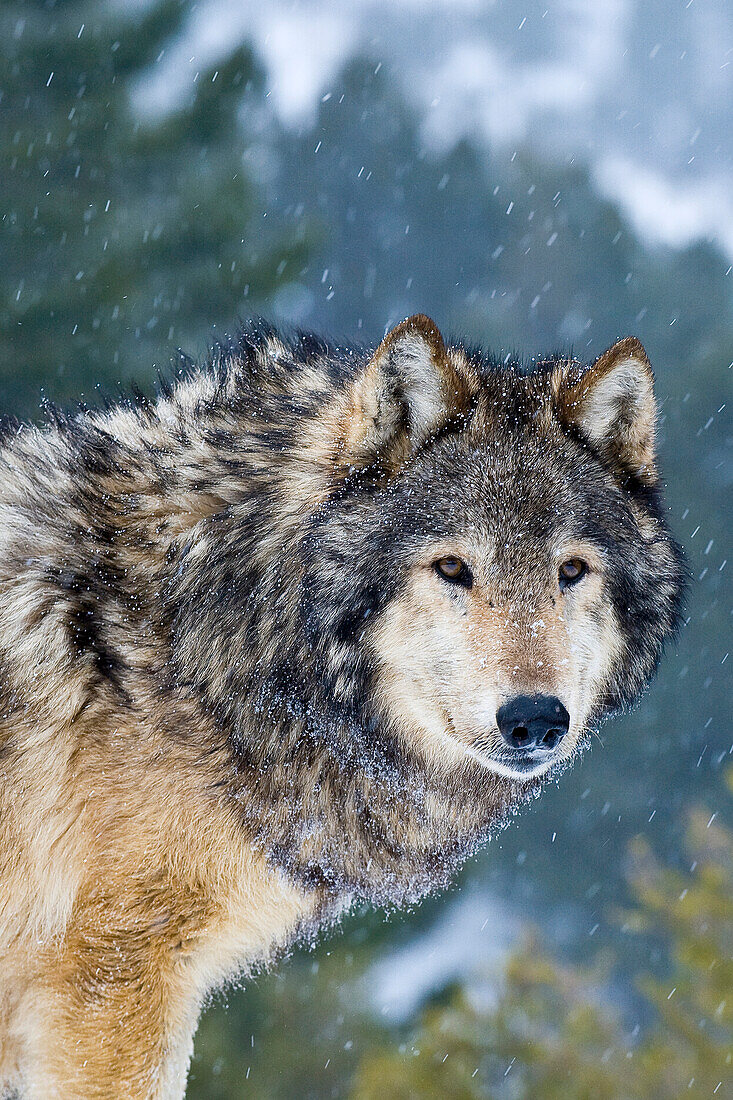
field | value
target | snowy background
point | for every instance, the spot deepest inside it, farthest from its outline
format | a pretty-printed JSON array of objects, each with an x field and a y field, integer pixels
[
  {"x": 533, "y": 175},
  {"x": 639, "y": 91}
]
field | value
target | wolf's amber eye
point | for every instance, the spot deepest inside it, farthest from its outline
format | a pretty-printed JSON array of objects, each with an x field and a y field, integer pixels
[
  {"x": 453, "y": 569},
  {"x": 572, "y": 571}
]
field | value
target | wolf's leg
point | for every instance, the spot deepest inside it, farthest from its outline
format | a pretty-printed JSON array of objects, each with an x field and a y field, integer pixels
[
  {"x": 113, "y": 1013},
  {"x": 107, "y": 1046}
]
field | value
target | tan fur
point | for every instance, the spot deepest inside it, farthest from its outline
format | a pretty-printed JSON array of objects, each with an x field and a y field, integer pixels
[{"x": 129, "y": 892}]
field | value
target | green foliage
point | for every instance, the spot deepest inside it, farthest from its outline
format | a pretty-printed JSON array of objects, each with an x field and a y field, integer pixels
[
  {"x": 298, "y": 1032},
  {"x": 122, "y": 234},
  {"x": 554, "y": 1033}
]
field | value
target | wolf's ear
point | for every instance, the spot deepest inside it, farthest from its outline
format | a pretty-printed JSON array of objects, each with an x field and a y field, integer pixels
[
  {"x": 407, "y": 392},
  {"x": 612, "y": 405}
]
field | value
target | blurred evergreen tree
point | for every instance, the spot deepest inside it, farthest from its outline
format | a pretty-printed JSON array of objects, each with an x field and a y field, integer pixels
[
  {"x": 122, "y": 235},
  {"x": 553, "y": 1033}
]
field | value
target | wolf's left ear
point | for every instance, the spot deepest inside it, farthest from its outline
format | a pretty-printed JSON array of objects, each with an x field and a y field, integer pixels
[
  {"x": 408, "y": 391},
  {"x": 611, "y": 404}
]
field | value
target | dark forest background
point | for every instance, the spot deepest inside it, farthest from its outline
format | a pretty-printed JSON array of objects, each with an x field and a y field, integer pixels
[{"x": 127, "y": 234}]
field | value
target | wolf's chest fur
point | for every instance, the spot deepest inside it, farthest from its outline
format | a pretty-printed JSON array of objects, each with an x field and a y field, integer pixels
[{"x": 299, "y": 631}]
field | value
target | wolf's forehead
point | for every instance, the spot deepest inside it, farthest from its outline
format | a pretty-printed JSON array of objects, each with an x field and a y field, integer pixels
[
  {"x": 491, "y": 508},
  {"x": 505, "y": 496},
  {"x": 511, "y": 471}
]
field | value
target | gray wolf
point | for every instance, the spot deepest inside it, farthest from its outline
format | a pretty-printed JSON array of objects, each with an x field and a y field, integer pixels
[{"x": 297, "y": 632}]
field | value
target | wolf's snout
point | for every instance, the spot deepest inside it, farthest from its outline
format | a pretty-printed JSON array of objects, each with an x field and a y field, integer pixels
[{"x": 533, "y": 722}]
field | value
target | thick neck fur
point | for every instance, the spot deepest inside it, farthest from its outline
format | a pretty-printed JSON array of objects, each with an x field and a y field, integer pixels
[{"x": 178, "y": 545}]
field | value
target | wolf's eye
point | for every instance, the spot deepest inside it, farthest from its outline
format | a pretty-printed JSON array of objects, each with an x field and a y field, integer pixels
[
  {"x": 571, "y": 571},
  {"x": 454, "y": 570}
]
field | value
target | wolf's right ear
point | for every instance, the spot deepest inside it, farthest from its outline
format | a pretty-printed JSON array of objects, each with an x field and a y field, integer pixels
[{"x": 408, "y": 391}]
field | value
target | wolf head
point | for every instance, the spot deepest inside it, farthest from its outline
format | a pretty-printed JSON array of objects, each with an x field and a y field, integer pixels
[{"x": 491, "y": 565}]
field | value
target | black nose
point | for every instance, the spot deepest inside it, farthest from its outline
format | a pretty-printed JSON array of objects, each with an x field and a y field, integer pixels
[{"x": 533, "y": 722}]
